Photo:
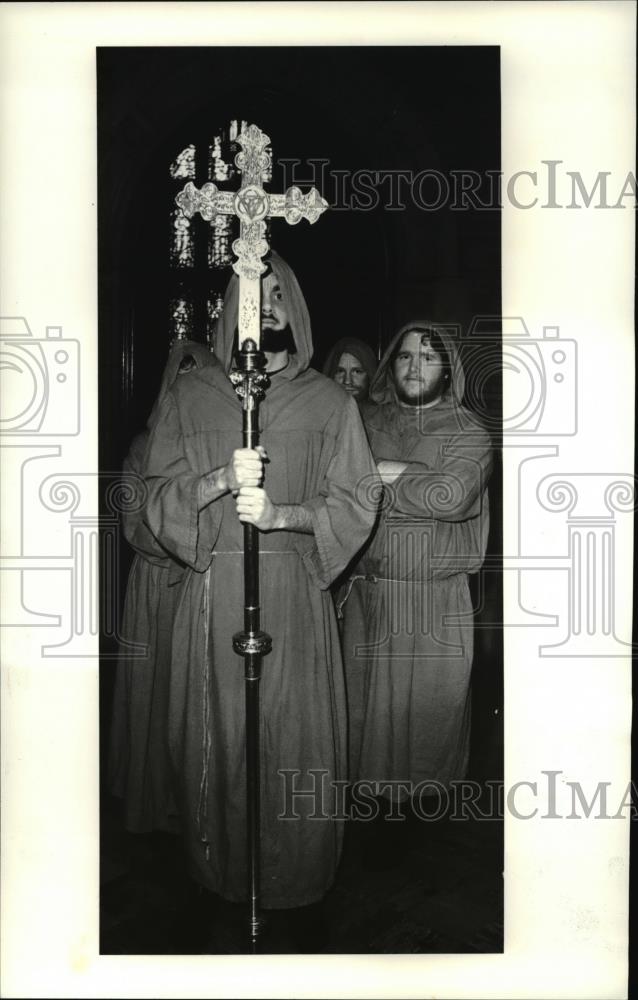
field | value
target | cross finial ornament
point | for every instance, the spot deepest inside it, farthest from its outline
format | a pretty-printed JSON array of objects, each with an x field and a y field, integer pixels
[{"x": 252, "y": 205}]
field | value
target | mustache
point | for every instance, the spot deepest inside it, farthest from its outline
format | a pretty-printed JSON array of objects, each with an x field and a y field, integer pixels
[{"x": 275, "y": 341}]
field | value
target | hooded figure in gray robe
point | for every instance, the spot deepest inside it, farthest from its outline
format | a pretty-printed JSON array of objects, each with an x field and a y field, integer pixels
[
  {"x": 317, "y": 456},
  {"x": 355, "y": 379},
  {"x": 139, "y": 770},
  {"x": 408, "y": 628}
]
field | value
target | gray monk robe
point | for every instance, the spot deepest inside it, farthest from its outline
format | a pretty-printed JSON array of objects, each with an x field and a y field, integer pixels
[
  {"x": 408, "y": 631},
  {"x": 139, "y": 768},
  {"x": 317, "y": 453}
]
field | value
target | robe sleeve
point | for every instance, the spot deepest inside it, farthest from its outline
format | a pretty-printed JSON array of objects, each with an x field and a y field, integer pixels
[
  {"x": 172, "y": 511},
  {"x": 134, "y": 528},
  {"x": 453, "y": 489},
  {"x": 345, "y": 508}
]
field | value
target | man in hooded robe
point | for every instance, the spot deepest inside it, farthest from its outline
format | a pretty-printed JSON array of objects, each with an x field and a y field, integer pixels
[
  {"x": 202, "y": 486},
  {"x": 408, "y": 633},
  {"x": 352, "y": 364},
  {"x": 139, "y": 769}
]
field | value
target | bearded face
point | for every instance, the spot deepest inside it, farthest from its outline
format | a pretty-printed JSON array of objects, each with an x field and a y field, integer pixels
[
  {"x": 418, "y": 370},
  {"x": 276, "y": 335}
]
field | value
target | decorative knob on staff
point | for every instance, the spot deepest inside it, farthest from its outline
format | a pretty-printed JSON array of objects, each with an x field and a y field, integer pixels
[{"x": 251, "y": 204}]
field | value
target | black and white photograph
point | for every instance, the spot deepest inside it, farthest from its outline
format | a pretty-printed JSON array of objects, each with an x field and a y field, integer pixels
[
  {"x": 351, "y": 519},
  {"x": 317, "y": 364}
]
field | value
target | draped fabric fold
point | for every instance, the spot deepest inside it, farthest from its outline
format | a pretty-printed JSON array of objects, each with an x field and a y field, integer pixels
[
  {"x": 317, "y": 454},
  {"x": 408, "y": 629},
  {"x": 139, "y": 770}
]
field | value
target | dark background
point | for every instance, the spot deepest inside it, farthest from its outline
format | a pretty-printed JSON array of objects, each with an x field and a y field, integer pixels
[{"x": 363, "y": 273}]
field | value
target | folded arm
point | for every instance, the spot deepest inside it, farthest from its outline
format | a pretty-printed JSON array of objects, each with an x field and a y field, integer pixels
[{"x": 451, "y": 491}]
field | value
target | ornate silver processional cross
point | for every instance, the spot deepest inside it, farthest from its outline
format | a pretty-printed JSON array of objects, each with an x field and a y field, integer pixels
[{"x": 251, "y": 204}]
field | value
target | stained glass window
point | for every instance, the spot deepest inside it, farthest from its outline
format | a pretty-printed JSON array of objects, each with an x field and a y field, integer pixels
[
  {"x": 200, "y": 253},
  {"x": 181, "y": 249},
  {"x": 220, "y": 238},
  {"x": 184, "y": 164},
  {"x": 218, "y": 168},
  {"x": 214, "y": 308},
  {"x": 181, "y": 319}
]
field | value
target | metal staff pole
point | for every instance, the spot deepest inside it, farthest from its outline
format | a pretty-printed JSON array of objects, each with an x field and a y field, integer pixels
[
  {"x": 250, "y": 382},
  {"x": 252, "y": 206}
]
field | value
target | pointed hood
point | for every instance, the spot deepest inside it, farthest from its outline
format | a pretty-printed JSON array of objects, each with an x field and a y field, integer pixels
[
  {"x": 180, "y": 349},
  {"x": 358, "y": 349},
  {"x": 382, "y": 389},
  {"x": 298, "y": 318}
]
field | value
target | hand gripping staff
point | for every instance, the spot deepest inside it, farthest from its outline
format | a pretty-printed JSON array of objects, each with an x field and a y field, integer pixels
[{"x": 252, "y": 205}]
